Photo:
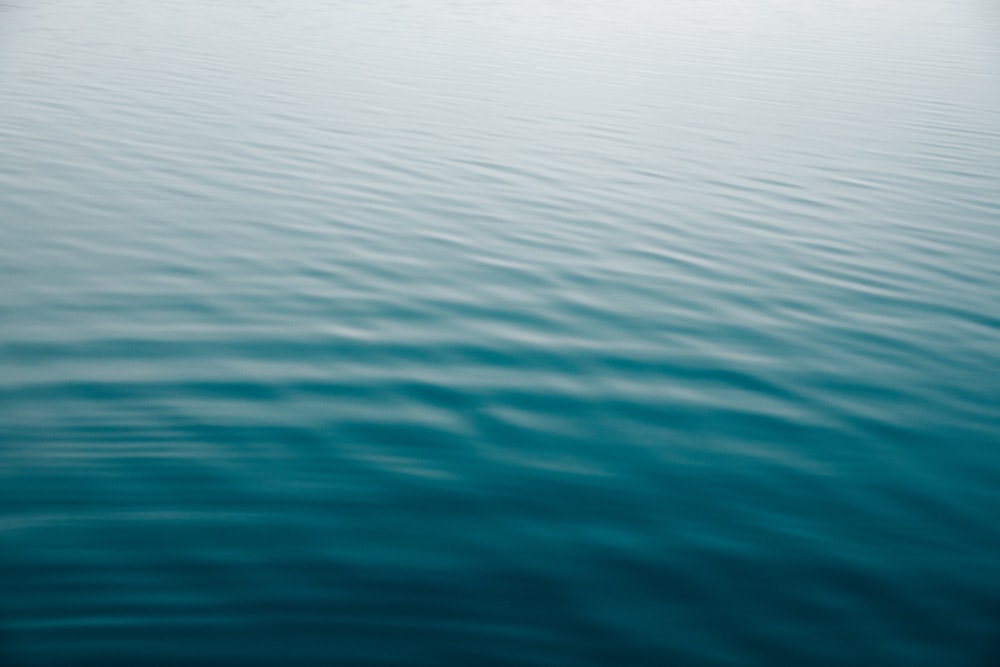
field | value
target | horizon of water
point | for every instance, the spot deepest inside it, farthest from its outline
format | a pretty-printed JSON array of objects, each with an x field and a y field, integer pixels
[{"x": 500, "y": 333}]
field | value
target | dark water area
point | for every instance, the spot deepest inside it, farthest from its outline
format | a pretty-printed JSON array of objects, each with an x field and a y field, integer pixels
[{"x": 435, "y": 333}]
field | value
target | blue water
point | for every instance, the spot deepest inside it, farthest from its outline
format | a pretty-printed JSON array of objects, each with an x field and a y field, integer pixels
[{"x": 522, "y": 332}]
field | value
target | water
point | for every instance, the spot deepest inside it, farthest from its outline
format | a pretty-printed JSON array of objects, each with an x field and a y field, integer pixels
[{"x": 500, "y": 333}]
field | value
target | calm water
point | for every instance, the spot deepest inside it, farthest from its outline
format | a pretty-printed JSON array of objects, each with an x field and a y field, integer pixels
[{"x": 521, "y": 332}]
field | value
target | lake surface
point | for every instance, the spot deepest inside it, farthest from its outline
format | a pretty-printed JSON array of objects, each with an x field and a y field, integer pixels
[{"x": 576, "y": 333}]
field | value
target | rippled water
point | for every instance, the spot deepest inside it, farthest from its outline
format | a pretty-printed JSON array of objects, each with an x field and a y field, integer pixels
[{"x": 500, "y": 333}]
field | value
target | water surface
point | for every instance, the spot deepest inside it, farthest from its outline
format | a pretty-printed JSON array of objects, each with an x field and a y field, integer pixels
[{"x": 500, "y": 333}]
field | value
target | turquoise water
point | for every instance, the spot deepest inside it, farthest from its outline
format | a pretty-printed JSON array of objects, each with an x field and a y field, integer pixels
[{"x": 500, "y": 333}]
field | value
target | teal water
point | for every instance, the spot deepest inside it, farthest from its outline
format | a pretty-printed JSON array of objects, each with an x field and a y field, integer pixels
[{"x": 577, "y": 333}]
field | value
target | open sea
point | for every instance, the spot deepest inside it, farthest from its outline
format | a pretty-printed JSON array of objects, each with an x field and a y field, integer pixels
[{"x": 487, "y": 333}]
